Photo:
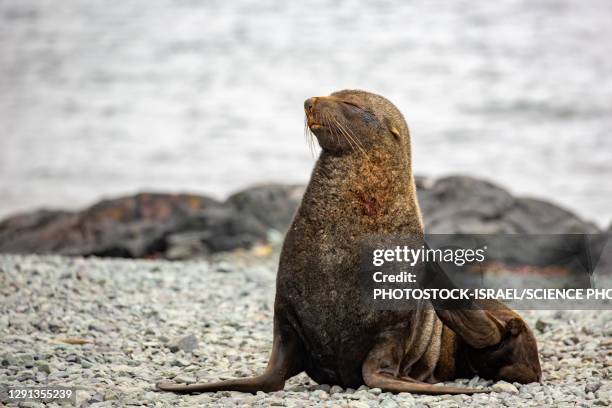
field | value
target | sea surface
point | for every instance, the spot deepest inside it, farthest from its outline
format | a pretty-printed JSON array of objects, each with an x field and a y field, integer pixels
[{"x": 99, "y": 98}]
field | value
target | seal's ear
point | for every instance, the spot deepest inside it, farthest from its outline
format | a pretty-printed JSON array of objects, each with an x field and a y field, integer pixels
[{"x": 396, "y": 133}]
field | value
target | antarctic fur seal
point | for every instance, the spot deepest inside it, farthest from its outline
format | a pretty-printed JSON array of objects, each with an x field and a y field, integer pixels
[{"x": 363, "y": 184}]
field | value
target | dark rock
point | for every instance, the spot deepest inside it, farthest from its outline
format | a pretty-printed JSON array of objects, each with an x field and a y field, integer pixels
[
  {"x": 533, "y": 216},
  {"x": 465, "y": 205},
  {"x": 183, "y": 226},
  {"x": 215, "y": 230},
  {"x": 125, "y": 227},
  {"x": 184, "y": 245},
  {"x": 604, "y": 247},
  {"x": 272, "y": 204},
  {"x": 33, "y": 220}
]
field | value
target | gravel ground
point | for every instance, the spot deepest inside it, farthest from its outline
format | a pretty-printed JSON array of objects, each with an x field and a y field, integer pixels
[{"x": 142, "y": 318}]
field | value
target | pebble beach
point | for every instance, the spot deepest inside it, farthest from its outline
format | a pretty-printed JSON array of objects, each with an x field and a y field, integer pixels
[{"x": 113, "y": 328}]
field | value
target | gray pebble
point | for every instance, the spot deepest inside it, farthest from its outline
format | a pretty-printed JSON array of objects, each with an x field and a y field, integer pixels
[
  {"x": 503, "y": 386},
  {"x": 184, "y": 379},
  {"x": 335, "y": 389},
  {"x": 186, "y": 343},
  {"x": 388, "y": 403},
  {"x": 43, "y": 366}
]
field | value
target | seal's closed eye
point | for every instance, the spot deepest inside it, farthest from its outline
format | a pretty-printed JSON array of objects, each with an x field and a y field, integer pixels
[
  {"x": 366, "y": 114},
  {"x": 352, "y": 104}
]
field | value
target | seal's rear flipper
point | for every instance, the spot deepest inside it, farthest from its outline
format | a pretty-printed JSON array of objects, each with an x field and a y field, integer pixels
[
  {"x": 388, "y": 383},
  {"x": 383, "y": 365},
  {"x": 285, "y": 362}
]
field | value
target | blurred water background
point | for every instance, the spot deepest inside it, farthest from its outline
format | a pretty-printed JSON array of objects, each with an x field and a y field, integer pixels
[{"x": 101, "y": 98}]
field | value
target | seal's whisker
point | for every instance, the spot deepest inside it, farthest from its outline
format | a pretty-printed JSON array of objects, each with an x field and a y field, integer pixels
[
  {"x": 347, "y": 137},
  {"x": 336, "y": 130},
  {"x": 354, "y": 137},
  {"x": 328, "y": 124},
  {"x": 344, "y": 135},
  {"x": 309, "y": 137},
  {"x": 357, "y": 142},
  {"x": 306, "y": 135},
  {"x": 351, "y": 136},
  {"x": 331, "y": 127}
]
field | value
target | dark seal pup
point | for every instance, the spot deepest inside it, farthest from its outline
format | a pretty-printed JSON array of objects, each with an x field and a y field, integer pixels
[{"x": 363, "y": 184}]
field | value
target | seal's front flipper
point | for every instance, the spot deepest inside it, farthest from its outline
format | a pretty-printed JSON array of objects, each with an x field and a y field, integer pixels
[
  {"x": 285, "y": 362},
  {"x": 479, "y": 323},
  {"x": 478, "y": 328}
]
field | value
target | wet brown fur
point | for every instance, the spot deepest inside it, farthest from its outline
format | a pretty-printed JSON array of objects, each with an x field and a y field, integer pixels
[{"x": 363, "y": 184}]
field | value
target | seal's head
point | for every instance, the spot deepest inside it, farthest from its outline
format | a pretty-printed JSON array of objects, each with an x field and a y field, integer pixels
[{"x": 354, "y": 121}]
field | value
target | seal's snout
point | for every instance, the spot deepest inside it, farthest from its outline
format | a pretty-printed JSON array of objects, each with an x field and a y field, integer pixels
[
  {"x": 309, "y": 105},
  {"x": 311, "y": 116}
]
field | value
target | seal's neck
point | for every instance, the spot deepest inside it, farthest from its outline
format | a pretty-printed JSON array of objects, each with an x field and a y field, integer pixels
[{"x": 376, "y": 192}]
